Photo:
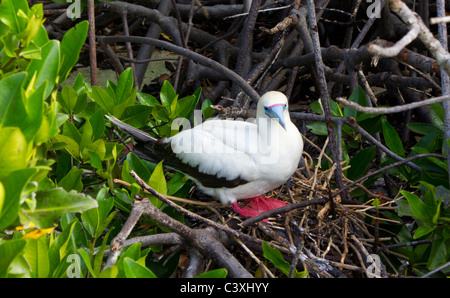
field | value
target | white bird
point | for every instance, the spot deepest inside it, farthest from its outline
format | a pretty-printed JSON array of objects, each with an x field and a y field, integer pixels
[{"x": 232, "y": 160}]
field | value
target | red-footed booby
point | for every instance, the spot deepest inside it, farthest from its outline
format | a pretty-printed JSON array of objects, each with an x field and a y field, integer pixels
[{"x": 232, "y": 160}]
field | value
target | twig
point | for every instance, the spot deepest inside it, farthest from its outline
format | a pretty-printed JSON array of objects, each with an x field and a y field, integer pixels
[
  {"x": 436, "y": 270},
  {"x": 411, "y": 19},
  {"x": 396, "y": 164},
  {"x": 92, "y": 43},
  {"x": 398, "y": 46},
  {"x": 324, "y": 95},
  {"x": 445, "y": 79},
  {"x": 192, "y": 55},
  {"x": 261, "y": 10},
  {"x": 395, "y": 109}
]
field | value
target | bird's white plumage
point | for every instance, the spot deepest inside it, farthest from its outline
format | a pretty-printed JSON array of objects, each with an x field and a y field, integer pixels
[{"x": 262, "y": 152}]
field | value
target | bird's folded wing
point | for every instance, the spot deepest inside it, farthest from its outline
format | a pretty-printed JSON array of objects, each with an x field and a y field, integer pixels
[{"x": 219, "y": 149}]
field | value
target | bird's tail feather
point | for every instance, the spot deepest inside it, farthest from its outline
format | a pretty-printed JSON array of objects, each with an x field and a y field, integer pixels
[{"x": 137, "y": 134}]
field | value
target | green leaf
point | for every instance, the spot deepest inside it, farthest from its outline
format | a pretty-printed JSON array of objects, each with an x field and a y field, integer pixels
[
  {"x": 103, "y": 98},
  {"x": 32, "y": 124},
  {"x": 135, "y": 270},
  {"x": 185, "y": 107},
  {"x": 136, "y": 164},
  {"x": 98, "y": 259},
  {"x": 13, "y": 184},
  {"x": 10, "y": 87},
  {"x": 167, "y": 95},
  {"x": 69, "y": 144},
  {"x": 87, "y": 261},
  {"x": 137, "y": 115},
  {"x": 95, "y": 160},
  {"x": 158, "y": 180},
  {"x": 423, "y": 128},
  {"x": 36, "y": 253},
  {"x": 124, "y": 85},
  {"x": 59, "y": 248},
  {"x": 207, "y": 111},
  {"x": 360, "y": 163},
  {"x": 70, "y": 130},
  {"x": 216, "y": 273},
  {"x": 147, "y": 99},
  {"x": 13, "y": 151},
  {"x": 46, "y": 69},
  {"x": 51, "y": 204},
  {"x": 392, "y": 139},
  {"x": 9, "y": 250},
  {"x": 357, "y": 96},
  {"x": 418, "y": 208},
  {"x": 72, "y": 180},
  {"x": 71, "y": 45},
  {"x": 2, "y": 196},
  {"x": 9, "y": 14},
  {"x": 318, "y": 128},
  {"x": 68, "y": 99},
  {"x": 94, "y": 218},
  {"x": 97, "y": 121},
  {"x": 438, "y": 255},
  {"x": 275, "y": 256},
  {"x": 423, "y": 230}
]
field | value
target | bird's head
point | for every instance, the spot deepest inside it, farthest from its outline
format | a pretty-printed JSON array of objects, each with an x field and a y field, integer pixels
[{"x": 274, "y": 105}]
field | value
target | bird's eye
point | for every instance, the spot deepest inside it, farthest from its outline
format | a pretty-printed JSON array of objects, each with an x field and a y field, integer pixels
[
  {"x": 285, "y": 106},
  {"x": 266, "y": 109}
]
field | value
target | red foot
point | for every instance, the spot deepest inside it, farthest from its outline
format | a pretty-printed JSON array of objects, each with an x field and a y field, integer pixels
[{"x": 257, "y": 205}]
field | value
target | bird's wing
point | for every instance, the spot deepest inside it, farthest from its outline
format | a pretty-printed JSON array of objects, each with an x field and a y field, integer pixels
[
  {"x": 221, "y": 150},
  {"x": 215, "y": 154}
]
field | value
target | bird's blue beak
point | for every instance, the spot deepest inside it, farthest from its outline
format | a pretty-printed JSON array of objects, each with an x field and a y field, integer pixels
[{"x": 277, "y": 112}]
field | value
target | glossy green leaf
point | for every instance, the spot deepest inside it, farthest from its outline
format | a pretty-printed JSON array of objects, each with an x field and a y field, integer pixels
[
  {"x": 87, "y": 261},
  {"x": 10, "y": 87},
  {"x": 46, "y": 69},
  {"x": 72, "y": 181},
  {"x": 207, "y": 111},
  {"x": 167, "y": 95},
  {"x": 392, "y": 139},
  {"x": 71, "y": 45},
  {"x": 9, "y": 250},
  {"x": 51, "y": 204},
  {"x": 68, "y": 99},
  {"x": 418, "y": 207},
  {"x": 360, "y": 163},
  {"x": 136, "y": 115},
  {"x": 275, "y": 256},
  {"x": 318, "y": 128},
  {"x": 13, "y": 151},
  {"x": 216, "y": 273},
  {"x": 158, "y": 180},
  {"x": 147, "y": 99},
  {"x": 94, "y": 218},
  {"x": 13, "y": 185},
  {"x": 358, "y": 96},
  {"x": 135, "y": 270},
  {"x": 124, "y": 85},
  {"x": 32, "y": 124},
  {"x": 103, "y": 98},
  {"x": 36, "y": 253},
  {"x": 9, "y": 14}
]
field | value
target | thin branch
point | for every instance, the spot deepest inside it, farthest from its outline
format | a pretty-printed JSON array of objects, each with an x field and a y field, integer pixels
[
  {"x": 324, "y": 95},
  {"x": 395, "y": 109},
  {"x": 231, "y": 75},
  {"x": 92, "y": 43}
]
